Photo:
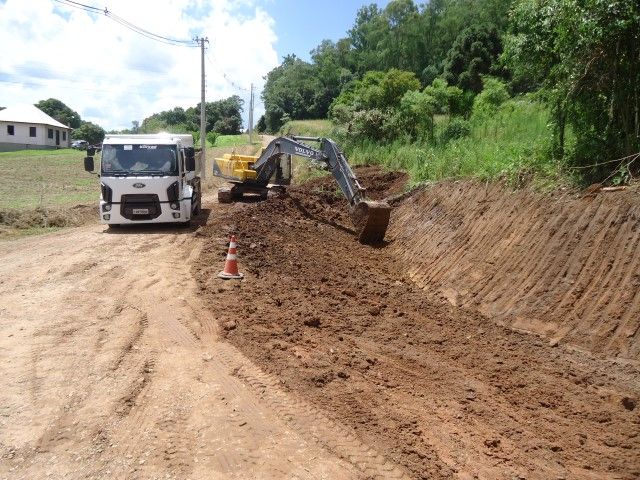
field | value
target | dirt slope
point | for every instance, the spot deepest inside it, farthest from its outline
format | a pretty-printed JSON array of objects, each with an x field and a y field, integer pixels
[
  {"x": 441, "y": 390},
  {"x": 565, "y": 267}
]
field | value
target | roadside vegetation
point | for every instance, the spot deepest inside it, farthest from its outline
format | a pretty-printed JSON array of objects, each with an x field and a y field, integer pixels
[
  {"x": 38, "y": 178},
  {"x": 544, "y": 91},
  {"x": 44, "y": 190}
]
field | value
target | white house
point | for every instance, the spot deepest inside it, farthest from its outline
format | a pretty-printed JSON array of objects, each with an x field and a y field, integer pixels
[{"x": 27, "y": 127}]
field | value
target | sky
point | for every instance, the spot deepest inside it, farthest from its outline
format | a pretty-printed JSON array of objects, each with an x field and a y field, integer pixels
[{"x": 112, "y": 75}]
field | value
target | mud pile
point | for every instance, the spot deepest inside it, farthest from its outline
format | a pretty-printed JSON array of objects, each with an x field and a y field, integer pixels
[
  {"x": 439, "y": 388},
  {"x": 12, "y": 220}
]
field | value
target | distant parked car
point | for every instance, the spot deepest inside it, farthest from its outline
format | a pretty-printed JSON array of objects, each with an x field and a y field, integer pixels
[{"x": 80, "y": 144}]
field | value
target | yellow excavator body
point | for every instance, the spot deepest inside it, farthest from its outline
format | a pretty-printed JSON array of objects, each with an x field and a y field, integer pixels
[{"x": 235, "y": 167}]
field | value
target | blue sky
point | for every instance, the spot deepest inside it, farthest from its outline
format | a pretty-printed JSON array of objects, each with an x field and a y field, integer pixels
[{"x": 302, "y": 24}]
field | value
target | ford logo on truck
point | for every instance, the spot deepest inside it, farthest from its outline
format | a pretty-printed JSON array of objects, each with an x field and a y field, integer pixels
[{"x": 139, "y": 185}]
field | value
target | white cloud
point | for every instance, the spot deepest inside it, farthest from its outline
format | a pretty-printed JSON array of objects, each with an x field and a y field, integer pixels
[{"x": 111, "y": 75}]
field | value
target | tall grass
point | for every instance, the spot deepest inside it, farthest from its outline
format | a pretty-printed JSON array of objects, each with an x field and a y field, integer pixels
[
  {"x": 514, "y": 143},
  {"x": 310, "y": 128}
]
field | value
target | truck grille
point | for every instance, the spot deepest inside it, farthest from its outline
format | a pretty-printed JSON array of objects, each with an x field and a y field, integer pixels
[{"x": 138, "y": 203}]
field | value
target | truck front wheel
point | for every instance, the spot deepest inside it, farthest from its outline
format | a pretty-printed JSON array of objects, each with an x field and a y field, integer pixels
[{"x": 198, "y": 206}]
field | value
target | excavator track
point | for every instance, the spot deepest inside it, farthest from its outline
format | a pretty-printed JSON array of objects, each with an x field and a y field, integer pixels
[
  {"x": 225, "y": 195},
  {"x": 371, "y": 220}
]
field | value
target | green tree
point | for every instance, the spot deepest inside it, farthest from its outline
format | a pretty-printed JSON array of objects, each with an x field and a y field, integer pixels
[
  {"x": 292, "y": 89},
  {"x": 416, "y": 113},
  {"x": 61, "y": 112},
  {"x": 90, "y": 132},
  {"x": 474, "y": 53},
  {"x": 448, "y": 100},
  {"x": 261, "y": 126},
  {"x": 380, "y": 90},
  {"x": 329, "y": 64},
  {"x": 223, "y": 116},
  {"x": 586, "y": 56}
]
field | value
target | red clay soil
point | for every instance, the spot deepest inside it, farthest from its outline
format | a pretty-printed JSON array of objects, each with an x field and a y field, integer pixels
[
  {"x": 442, "y": 390},
  {"x": 566, "y": 267}
]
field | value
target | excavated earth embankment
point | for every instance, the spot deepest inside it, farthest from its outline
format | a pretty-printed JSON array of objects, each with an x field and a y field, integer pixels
[
  {"x": 566, "y": 267},
  {"x": 422, "y": 346}
]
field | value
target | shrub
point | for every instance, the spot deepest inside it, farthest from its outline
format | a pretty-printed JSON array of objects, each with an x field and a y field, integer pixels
[
  {"x": 494, "y": 94},
  {"x": 455, "y": 128}
]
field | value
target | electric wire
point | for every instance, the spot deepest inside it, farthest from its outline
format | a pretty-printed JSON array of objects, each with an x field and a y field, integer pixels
[
  {"x": 225, "y": 76},
  {"x": 129, "y": 25}
]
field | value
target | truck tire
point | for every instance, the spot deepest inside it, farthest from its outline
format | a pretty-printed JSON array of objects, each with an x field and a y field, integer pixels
[{"x": 198, "y": 207}]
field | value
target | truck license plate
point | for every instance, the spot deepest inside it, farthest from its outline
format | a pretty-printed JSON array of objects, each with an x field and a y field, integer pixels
[{"x": 140, "y": 211}]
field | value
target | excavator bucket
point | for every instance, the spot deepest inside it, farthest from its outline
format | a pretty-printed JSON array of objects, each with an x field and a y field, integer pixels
[{"x": 371, "y": 220}]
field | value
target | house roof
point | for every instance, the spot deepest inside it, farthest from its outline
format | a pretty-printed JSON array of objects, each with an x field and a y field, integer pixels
[{"x": 28, "y": 114}]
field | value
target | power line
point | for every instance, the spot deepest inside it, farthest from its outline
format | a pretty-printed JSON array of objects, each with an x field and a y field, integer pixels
[
  {"x": 129, "y": 25},
  {"x": 226, "y": 77}
]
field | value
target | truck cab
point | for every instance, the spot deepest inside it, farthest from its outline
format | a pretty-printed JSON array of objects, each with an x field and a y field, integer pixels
[{"x": 148, "y": 179}]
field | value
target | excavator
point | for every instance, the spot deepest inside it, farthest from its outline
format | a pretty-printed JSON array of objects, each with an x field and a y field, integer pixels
[{"x": 271, "y": 172}]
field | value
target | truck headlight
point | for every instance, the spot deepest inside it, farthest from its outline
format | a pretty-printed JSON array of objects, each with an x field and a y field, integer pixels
[
  {"x": 174, "y": 205},
  {"x": 106, "y": 207},
  {"x": 106, "y": 217}
]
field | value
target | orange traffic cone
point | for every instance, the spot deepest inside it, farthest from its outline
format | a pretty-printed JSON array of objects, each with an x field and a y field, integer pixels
[{"x": 231, "y": 264}]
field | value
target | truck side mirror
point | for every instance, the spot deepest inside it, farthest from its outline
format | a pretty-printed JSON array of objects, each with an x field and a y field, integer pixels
[
  {"x": 91, "y": 151},
  {"x": 190, "y": 159},
  {"x": 88, "y": 164}
]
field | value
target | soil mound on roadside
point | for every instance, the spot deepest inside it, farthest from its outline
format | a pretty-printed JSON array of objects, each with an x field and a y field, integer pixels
[{"x": 443, "y": 390}]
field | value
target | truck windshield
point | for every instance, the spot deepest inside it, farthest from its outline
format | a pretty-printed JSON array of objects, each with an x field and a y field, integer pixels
[{"x": 139, "y": 159}]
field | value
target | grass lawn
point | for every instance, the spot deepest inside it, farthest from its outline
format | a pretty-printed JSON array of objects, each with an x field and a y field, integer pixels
[
  {"x": 45, "y": 178},
  {"x": 310, "y": 128},
  {"x": 235, "y": 140}
]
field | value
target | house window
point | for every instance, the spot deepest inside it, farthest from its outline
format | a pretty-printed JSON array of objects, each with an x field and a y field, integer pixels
[
  {"x": 50, "y": 133},
  {"x": 32, "y": 131},
  {"x": 11, "y": 130},
  {"x": 64, "y": 136}
]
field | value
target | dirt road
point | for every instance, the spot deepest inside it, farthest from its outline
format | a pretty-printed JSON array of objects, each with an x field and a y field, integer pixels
[
  {"x": 112, "y": 368},
  {"x": 123, "y": 356}
]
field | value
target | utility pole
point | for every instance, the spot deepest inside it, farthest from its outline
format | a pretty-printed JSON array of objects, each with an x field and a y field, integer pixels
[
  {"x": 203, "y": 116},
  {"x": 251, "y": 116}
]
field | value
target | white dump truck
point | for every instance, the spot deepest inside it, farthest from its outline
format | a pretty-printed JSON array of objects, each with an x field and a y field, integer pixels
[{"x": 147, "y": 179}]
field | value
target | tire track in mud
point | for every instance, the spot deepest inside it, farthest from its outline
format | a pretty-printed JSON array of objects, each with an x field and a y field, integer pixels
[
  {"x": 441, "y": 390},
  {"x": 141, "y": 325},
  {"x": 308, "y": 421}
]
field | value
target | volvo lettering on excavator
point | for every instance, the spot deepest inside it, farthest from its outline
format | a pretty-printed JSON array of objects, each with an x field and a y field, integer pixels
[{"x": 271, "y": 170}]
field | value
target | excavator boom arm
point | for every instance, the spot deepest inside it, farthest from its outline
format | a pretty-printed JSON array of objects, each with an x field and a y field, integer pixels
[{"x": 329, "y": 154}]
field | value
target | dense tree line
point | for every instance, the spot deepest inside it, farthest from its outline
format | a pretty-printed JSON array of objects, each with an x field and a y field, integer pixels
[
  {"x": 400, "y": 65},
  {"x": 460, "y": 40},
  {"x": 222, "y": 117}
]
